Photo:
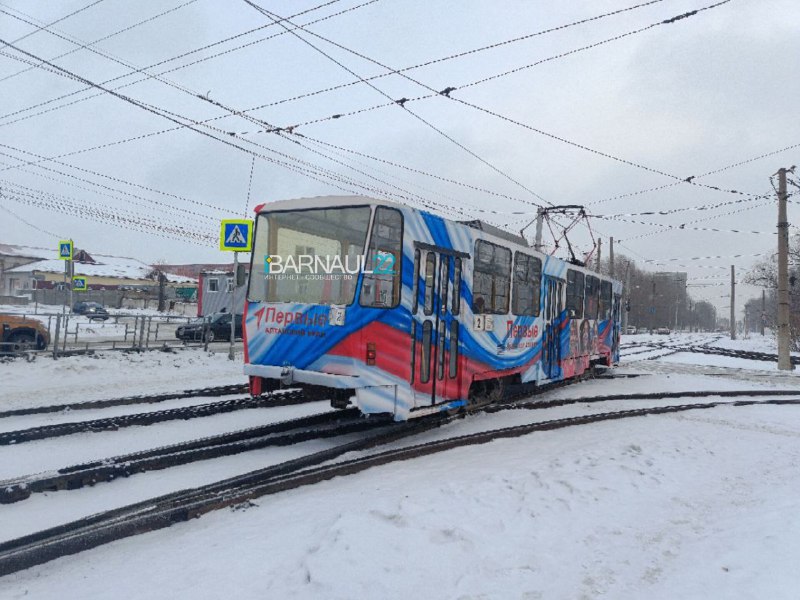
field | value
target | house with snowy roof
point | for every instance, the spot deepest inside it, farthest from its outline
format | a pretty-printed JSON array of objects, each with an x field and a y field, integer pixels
[{"x": 41, "y": 269}]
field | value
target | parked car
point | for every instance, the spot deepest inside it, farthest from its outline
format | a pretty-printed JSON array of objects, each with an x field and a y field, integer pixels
[
  {"x": 208, "y": 329},
  {"x": 20, "y": 333},
  {"x": 630, "y": 330},
  {"x": 91, "y": 310},
  {"x": 663, "y": 331}
]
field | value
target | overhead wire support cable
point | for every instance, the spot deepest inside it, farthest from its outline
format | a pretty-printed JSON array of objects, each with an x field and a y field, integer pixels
[
  {"x": 59, "y": 20},
  {"x": 98, "y": 40},
  {"x": 174, "y": 58},
  {"x": 162, "y": 114},
  {"x": 280, "y": 21},
  {"x": 450, "y": 89},
  {"x": 444, "y": 58}
]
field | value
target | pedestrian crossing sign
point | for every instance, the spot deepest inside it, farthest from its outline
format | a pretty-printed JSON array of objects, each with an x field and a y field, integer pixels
[
  {"x": 79, "y": 284},
  {"x": 65, "y": 249},
  {"x": 236, "y": 235}
]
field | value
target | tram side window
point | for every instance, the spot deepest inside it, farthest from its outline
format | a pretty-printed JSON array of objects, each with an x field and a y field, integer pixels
[
  {"x": 575, "y": 285},
  {"x": 381, "y": 287},
  {"x": 591, "y": 297},
  {"x": 605, "y": 300},
  {"x": 527, "y": 283},
  {"x": 491, "y": 278}
]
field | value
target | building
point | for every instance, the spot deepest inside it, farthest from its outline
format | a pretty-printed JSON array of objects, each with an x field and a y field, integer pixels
[
  {"x": 215, "y": 292},
  {"x": 38, "y": 275},
  {"x": 12, "y": 257}
]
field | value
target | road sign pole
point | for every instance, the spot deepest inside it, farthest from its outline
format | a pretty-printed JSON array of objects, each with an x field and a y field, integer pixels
[
  {"x": 65, "y": 252},
  {"x": 64, "y": 289},
  {"x": 71, "y": 275},
  {"x": 235, "y": 235},
  {"x": 231, "y": 353}
]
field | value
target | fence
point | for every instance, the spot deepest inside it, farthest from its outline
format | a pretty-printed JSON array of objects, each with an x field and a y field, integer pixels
[
  {"x": 74, "y": 334},
  {"x": 120, "y": 299}
]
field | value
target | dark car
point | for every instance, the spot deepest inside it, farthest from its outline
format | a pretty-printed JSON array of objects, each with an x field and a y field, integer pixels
[
  {"x": 91, "y": 310},
  {"x": 210, "y": 328}
]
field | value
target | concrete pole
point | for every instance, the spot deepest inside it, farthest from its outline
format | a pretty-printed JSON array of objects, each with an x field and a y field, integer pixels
[
  {"x": 626, "y": 295},
  {"x": 599, "y": 249},
  {"x": 539, "y": 222},
  {"x": 652, "y": 319},
  {"x": 784, "y": 360},
  {"x": 677, "y": 295},
  {"x": 611, "y": 257},
  {"x": 763, "y": 310},
  {"x": 733, "y": 303}
]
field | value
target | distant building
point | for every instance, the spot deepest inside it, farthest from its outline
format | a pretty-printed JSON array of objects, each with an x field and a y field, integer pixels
[
  {"x": 215, "y": 293},
  {"x": 14, "y": 256},
  {"x": 45, "y": 271}
]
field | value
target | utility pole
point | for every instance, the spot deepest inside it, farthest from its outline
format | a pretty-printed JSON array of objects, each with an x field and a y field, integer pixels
[
  {"x": 653, "y": 305},
  {"x": 599, "y": 248},
  {"x": 611, "y": 257},
  {"x": 763, "y": 310},
  {"x": 539, "y": 221},
  {"x": 784, "y": 361},
  {"x": 626, "y": 307},
  {"x": 733, "y": 303},
  {"x": 677, "y": 296}
]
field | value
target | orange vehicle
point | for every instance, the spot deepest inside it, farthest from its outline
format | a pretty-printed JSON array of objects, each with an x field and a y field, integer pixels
[{"x": 20, "y": 333}]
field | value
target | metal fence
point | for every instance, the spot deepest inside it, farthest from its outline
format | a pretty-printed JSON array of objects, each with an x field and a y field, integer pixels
[{"x": 74, "y": 334}]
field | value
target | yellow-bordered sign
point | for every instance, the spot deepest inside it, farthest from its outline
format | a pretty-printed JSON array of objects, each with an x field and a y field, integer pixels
[
  {"x": 79, "y": 283},
  {"x": 236, "y": 235},
  {"x": 65, "y": 248}
]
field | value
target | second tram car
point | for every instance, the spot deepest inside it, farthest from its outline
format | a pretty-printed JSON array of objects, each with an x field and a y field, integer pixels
[{"x": 404, "y": 312}]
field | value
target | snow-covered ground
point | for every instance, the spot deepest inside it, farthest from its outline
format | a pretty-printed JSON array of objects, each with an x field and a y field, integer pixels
[{"x": 690, "y": 505}]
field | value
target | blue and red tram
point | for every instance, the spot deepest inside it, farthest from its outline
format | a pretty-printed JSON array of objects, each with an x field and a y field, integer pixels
[{"x": 408, "y": 313}]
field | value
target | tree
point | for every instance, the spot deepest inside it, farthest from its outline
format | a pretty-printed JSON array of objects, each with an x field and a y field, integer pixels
[{"x": 765, "y": 274}]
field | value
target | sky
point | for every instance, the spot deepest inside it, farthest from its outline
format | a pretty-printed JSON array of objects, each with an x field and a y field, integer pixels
[{"x": 173, "y": 139}]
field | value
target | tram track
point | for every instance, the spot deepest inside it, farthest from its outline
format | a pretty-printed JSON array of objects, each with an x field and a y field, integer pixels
[
  {"x": 180, "y": 506},
  {"x": 318, "y": 426},
  {"x": 703, "y": 348},
  {"x": 216, "y": 391},
  {"x": 283, "y": 398}
]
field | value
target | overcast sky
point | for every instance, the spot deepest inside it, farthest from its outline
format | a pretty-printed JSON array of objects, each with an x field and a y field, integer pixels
[{"x": 677, "y": 100}]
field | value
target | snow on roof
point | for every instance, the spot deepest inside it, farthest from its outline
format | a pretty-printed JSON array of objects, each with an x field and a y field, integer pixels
[
  {"x": 27, "y": 251},
  {"x": 104, "y": 266}
]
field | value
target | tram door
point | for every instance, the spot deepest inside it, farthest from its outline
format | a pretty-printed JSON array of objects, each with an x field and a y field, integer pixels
[
  {"x": 436, "y": 368},
  {"x": 551, "y": 339}
]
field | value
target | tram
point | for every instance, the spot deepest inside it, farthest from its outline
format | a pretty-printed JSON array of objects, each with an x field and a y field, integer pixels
[{"x": 401, "y": 311}]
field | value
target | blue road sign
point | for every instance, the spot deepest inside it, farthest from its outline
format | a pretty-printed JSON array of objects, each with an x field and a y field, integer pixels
[
  {"x": 65, "y": 249},
  {"x": 79, "y": 284},
  {"x": 236, "y": 235},
  {"x": 652, "y": 310}
]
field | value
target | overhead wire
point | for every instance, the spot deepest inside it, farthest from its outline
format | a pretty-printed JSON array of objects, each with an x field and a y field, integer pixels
[
  {"x": 449, "y": 57},
  {"x": 171, "y": 59},
  {"x": 164, "y": 115},
  {"x": 28, "y": 223},
  {"x": 94, "y": 213},
  {"x": 446, "y": 93},
  {"x": 194, "y": 94},
  {"x": 57, "y": 21},
  {"x": 280, "y": 21},
  {"x": 98, "y": 40}
]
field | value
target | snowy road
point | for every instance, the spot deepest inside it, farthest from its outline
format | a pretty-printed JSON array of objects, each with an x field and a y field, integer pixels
[{"x": 691, "y": 505}]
